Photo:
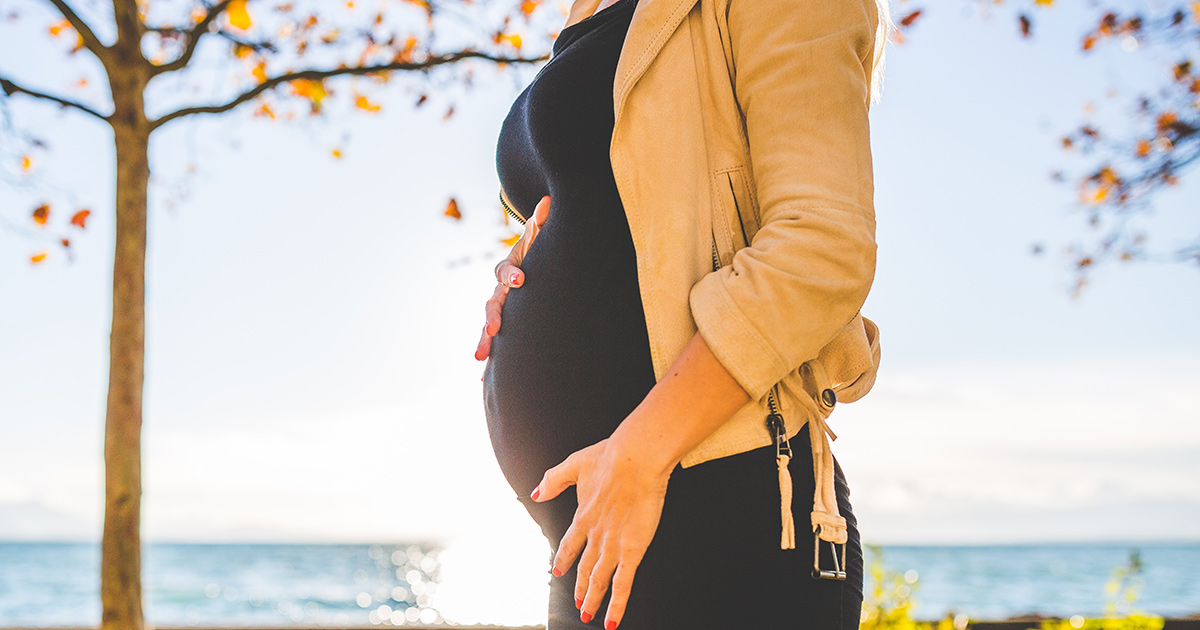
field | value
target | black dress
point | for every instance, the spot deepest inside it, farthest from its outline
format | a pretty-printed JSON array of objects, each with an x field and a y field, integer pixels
[{"x": 572, "y": 359}]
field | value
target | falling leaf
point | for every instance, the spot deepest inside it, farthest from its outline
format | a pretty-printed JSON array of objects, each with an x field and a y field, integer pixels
[
  {"x": 1143, "y": 148},
  {"x": 449, "y": 113},
  {"x": 528, "y": 6},
  {"x": 337, "y": 153},
  {"x": 41, "y": 214},
  {"x": 66, "y": 242},
  {"x": 512, "y": 240},
  {"x": 1089, "y": 41},
  {"x": 26, "y": 163},
  {"x": 260, "y": 71},
  {"x": 362, "y": 103},
  {"x": 80, "y": 218},
  {"x": 264, "y": 110},
  {"x": 1025, "y": 25},
  {"x": 452, "y": 209},
  {"x": 238, "y": 16},
  {"x": 37, "y": 258}
]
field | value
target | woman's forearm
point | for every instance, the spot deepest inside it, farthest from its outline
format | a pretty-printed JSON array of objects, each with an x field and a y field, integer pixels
[{"x": 695, "y": 397}]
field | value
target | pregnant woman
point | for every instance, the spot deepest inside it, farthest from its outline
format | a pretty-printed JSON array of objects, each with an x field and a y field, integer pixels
[{"x": 647, "y": 386}]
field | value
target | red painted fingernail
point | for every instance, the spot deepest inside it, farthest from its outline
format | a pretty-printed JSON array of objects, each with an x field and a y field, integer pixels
[
  {"x": 578, "y": 603},
  {"x": 558, "y": 573},
  {"x": 513, "y": 279},
  {"x": 585, "y": 616},
  {"x": 536, "y": 492},
  {"x": 611, "y": 625}
]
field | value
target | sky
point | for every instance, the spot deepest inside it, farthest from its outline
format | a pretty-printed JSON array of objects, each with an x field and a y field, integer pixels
[{"x": 311, "y": 320}]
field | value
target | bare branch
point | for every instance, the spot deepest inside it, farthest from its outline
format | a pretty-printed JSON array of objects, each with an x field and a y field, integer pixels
[
  {"x": 11, "y": 88},
  {"x": 324, "y": 74},
  {"x": 89, "y": 38},
  {"x": 193, "y": 39}
]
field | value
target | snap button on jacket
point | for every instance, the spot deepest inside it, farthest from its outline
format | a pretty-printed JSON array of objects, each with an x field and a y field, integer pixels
[{"x": 744, "y": 123}]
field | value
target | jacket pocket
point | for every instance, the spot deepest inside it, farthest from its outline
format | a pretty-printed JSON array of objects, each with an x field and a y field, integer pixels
[{"x": 742, "y": 215}]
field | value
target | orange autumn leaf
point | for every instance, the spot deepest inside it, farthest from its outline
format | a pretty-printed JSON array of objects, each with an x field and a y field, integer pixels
[
  {"x": 362, "y": 103},
  {"x": 260, "y": 71},
  {"x": 908, "y": 20},
  {"x": 58, "y": 27},
  {"x": 1143, "y": 148},
  {"x": 511, "y": 38},
  {"x": 66, "y": 242},
  {"x": 528, "y": 6},
  {"x": 238, "y": 16},
  {"x": 337, "y": 153},
  {"x": 80, "y": 218},
  {"x": 26, "y": 163},
  {"x": 37, "y": 258},
  {"x": 264, "y": 110},
  {"x": 452, "y": 210},
  {"x": 512, "y": 240},
  {"x": 314, "y": 91},
  {"x": 41, "y": 214}
]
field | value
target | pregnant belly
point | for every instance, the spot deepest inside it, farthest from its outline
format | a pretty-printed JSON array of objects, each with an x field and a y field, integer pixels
[{"x": 571, "y": 359}]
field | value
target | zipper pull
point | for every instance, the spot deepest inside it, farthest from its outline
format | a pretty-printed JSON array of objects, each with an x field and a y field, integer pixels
[{"x": 783, "y": 455}]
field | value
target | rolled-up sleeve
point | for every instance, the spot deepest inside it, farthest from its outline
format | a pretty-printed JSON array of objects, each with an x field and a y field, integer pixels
[{"x": 802, "y": 72}]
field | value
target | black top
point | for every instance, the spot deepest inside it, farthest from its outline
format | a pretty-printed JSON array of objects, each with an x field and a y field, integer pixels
[{"x": 571, "y": 359}]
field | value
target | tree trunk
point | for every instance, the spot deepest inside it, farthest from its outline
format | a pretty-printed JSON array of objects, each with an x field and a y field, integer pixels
[{"x": 121, "y": 553}]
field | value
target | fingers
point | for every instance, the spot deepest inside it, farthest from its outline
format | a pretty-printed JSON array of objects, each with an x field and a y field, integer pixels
[
  {"x": 485, "y": 346},
  {"x": 491, "y": 324},
  {"x": 542, "y": 211},
  {"x": 568, "y": 548},
  {"x": 557, "y": 479},
  {"x": 593, "y": 580},
  {"x": 622, "y": 586},
  {"x": 509, "y": 274},
  {"x": 493, "y": 308}
]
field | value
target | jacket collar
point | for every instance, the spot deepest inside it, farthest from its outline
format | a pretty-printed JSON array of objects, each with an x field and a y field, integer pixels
[{"x": 653, "y": 22}]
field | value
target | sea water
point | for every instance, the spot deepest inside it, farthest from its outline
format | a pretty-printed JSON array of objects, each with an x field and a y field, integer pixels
[{"x": 57, "y": 584}]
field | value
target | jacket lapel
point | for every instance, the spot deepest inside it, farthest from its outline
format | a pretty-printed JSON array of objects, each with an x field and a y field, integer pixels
[{"x": 652, "y": 24}]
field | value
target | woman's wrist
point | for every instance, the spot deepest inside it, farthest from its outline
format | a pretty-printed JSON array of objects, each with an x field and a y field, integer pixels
[{"x": 695, "y": 397}]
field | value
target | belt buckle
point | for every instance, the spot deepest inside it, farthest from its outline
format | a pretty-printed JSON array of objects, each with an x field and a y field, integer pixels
[{"x": 839, "y": 568}]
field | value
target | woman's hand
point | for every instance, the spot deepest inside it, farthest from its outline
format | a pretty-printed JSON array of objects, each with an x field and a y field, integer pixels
[
  {"x": 510, "y": 276},
  {"x": 620, "y": 492}
]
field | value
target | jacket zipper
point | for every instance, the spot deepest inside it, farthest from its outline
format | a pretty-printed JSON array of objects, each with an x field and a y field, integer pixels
[
  {"x": 775, "y": 422},
  {"x": 509, "y": 210}
]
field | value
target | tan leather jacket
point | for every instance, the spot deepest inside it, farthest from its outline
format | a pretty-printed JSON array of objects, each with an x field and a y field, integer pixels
[{"x": 754, "y": 112}]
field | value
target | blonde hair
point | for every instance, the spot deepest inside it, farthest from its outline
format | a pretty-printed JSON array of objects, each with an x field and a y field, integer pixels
[{"x": 883, "y": 32}]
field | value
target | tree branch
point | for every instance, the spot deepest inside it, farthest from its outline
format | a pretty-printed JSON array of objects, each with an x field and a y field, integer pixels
[
  {"x": 89, "y": 37},
  {"x": 324, "y": 74},
  {"x": 193, "y": 39},
  {"x": 11, "y": 88}
]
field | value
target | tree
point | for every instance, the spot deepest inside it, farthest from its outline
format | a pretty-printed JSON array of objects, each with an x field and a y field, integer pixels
[
  {"x": 1151, "y": 152},
  {"x": 297, "y": 49}
]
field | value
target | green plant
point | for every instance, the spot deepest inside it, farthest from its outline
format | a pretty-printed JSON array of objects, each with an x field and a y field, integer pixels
[{"x": 888, "y": 600}]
